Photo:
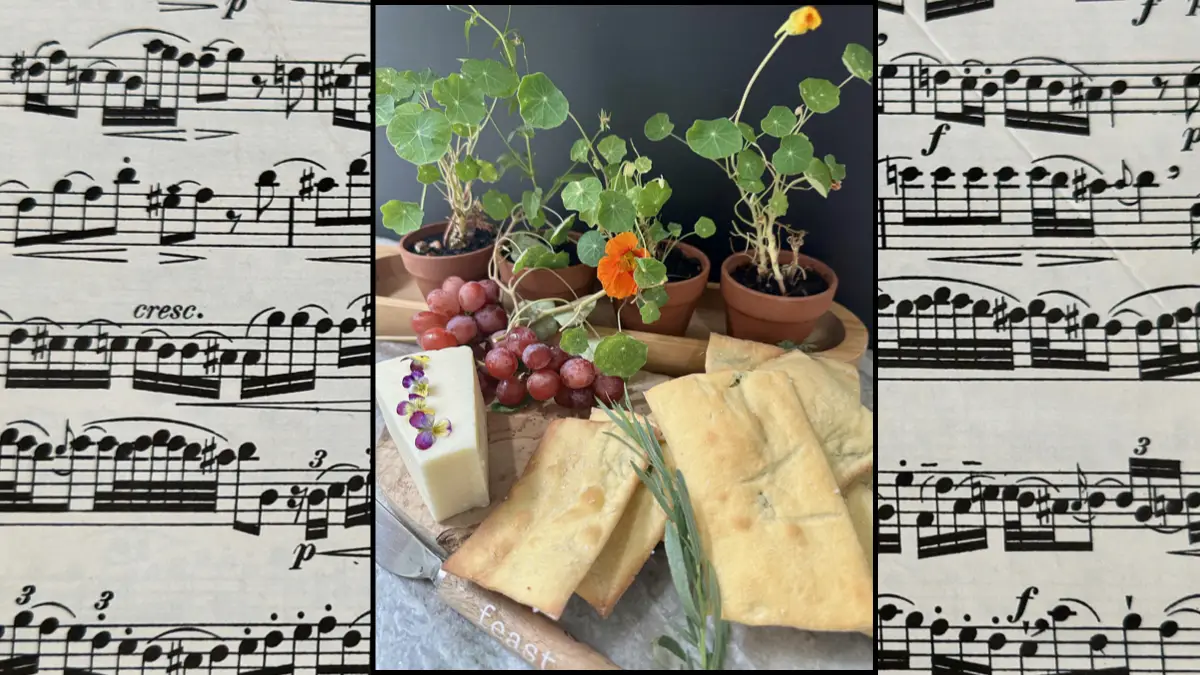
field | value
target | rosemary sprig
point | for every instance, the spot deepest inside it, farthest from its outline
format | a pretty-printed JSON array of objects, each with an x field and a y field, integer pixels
[{"x": 694, "y": 577}]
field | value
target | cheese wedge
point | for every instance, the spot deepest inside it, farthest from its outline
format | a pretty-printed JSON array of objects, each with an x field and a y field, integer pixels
[
  {"x": 433, "y": 409},
  {"x": 771, "y": 517},
  {"x": 539, "y": 543}
]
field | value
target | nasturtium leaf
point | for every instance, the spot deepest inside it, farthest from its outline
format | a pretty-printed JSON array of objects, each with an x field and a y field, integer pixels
[
  {"x": 510, "y": 160},
  {"x": 385, "y": 107},
  {"x": 487, "y": 171},
  {"x": 859, "y": 61},
  {"x": 543, "y": 106},
  {"x": 467, "y": 169},
  {"x": 531, "y": 202},
  {"x": 492, "y": 77},
  {"x": 657, "y": 232},
  {"x": 419, "y": 137},
  {"x": 649, "y": 311},
  {"x": 675, "y": 229},
  {"x": 530, "y": 257},
  {"x": 582, "y": 195},
  {"x": 818, "y": 176},
  {"x": 462, "y": 100},
  {"x": 652, "y": 198},
  {"x": 778, "y": 122},
  {"x": 634, "y": 193},
  {"x": 552, "y": 261},
  {"x": 714, "y": 139},
  {"x": 778, "y": 204},
  {"x": 751, "y": 185},
  {"x": 497, "y": 205},
  {"x": 836, "y": 171},
  {"x": 643, "y": 165},
  {"x": 704, "y": 227},
  {"x": 657, "y": 295},
  {"x": 464, "y": 130},
  {"x": 793, "y": 155},
  {"x": 615, "y": 212},
  {"x": 559, "y": 235},
  {"x": 588, "y": 217},
  {"x": 611, "y": 148},
  {"x": 428, "y": 174},
  {"x": 421, "y": 80},
  {"x": 579, "y": 151},
  {"x": 629, "y": 169},
  {"x": 574, "y": 341},
  {"x": 522, "y": 130},
  {"x": 401, "y": 217},
  {"x": 747, "y": 132},
  {"x": 658, "y": 127},
  {"x": 590, "y": 248},
  {"x": 750, "y": 164},
  {"x": 620, "y": 355},
  {"x": 649, "y": 273},
  {"x": 388, "y": 82},
  {"x": 821, "y": 96},
  {"x": 617, "y": 180}
]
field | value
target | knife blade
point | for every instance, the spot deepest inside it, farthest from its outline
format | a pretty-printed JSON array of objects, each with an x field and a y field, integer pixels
[{"x": 400, "y": 550}]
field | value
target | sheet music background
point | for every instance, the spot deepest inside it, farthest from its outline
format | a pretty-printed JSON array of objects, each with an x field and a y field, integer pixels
[
  {"x": 142, "y": 569},
  {"x": 1044, "y": 437}
]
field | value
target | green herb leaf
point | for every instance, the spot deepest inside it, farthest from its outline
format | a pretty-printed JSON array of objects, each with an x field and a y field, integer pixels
[
  {"x": 531, "y": 202},
  {"x": 747, "y": 132},
  {"x": 794, "y": 154},
  {"x": 751, "y": 185},
  {"x": 649, "y": 273},
  {"x": 821, "y": 96},
  {"x": 462, "y": 100},
  {"x": 859, "y": 61},
  {"x": 530, "y": 257},
  {"x": 750, "y": 164},
  {"x": 836, "y": 171},
  {"x": 658, "y": 127},
  {"x": 498, "y": 407},
  {"x": 652, "y": 197},
  {"x": 657, "y": 295},
  {"x": 778, "y": 204},
  {"x": 818, "y": 176},
  {"x": 467, "y": 169},
  {"x": 559, "y": 235},
  {"x": 419, "y": 137},
  {"x": 649, "y": 311},
  {"x": 579, "y": 151},
  {"x": 582, "y": 195},
  {"x": 487, "y": 171},
  {"x": 492, "y": 77},
  {"x": 615, "y": 212},
  {"x": 543, "y": 106},
  {"x": 675, "y": 229},
  {"x": 704, "y": 227},
  {"x": 620, "y": 355},
  {"x": 714, "y": 139},
  {"x": 574, "y": 341},
  {"x": 497, "y": 205},
  {"x": 778, "y": 122},
  {"x": 672, "y": 647},
  {"x": 590, "y": 247},
  {"x": 657, "y": 232},
  {"x": 643, "y": 165},
  {"x": 385, "y": 108},
  {"x": 612, "y": 148},
  {"x": 401, "y": 217}
]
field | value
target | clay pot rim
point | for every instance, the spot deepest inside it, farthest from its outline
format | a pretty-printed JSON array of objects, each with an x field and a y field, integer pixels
[
  {"x": 428, "y": 229},
  {"x": 820, "y": 267},
  {"x": 694, "y": 253}
]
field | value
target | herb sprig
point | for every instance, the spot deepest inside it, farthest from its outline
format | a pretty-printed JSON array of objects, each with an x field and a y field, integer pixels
[{"x": 694, "y": 576}]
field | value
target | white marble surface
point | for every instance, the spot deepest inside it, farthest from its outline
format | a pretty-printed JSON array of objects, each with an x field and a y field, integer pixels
[{"x": 414, "y": 630}]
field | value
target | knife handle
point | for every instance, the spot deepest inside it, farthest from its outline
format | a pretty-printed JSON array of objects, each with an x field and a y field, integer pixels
[{"x": 533, "y": 637}]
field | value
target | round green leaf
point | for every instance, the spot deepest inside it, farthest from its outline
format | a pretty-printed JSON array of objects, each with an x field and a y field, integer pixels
[
  {"x": 428, "y": 174},
  {"x": 530, "y": 257},
  {"x": 821, "y": 96},
  {"x": 420, "y": 80},
  {"x": 652, "y": 197},
  {"x": 859, "y": 61},
  {"x": 467, "y": 169},
  {"x": 714, "y": 139},
  {"x": 750, "y": 164},
  {"x": 619, "y": 355},
  {"x": 401, "y": 217},
  {"x": 747, "y": 132},
  {"x": 462, "y": 100},
  {"x": 590, "y": 248},
  {"x": 492, "y": 77},
  {"x": 818, "y": 176},
  {"x": 574, "y": 340},
  {"x": 385, "y": 108},
  {"x": 497, "y": 205},
  {"x": 543, "y": 106},
  {"x": 487, "y": 171},
  {"x": 611, "y": 148},
  {"x": 388, "y": 82},
  {"x": 675, "y": 229},
  {"x": 615, "y": 212},
  {"x": 582, "y": 195},
  {"x": 643, "y": 165},
  {"x": 419, "y": 137},
  {"x": 559, "y": 236},
  {"x": 778, "y": 204},
  {"x": 836, "y": 171},
  {"x": 778, "y": 122},
  {"x": 658, "y": 127},
  {"x": 705, "y": 227},
  {"x": 649, "y": 273},
  {"x": 752, "y": 185},
  {"x": 657, "y": 295},
  {"x": 649, "y": 311},
  {"x": 793, "y": 155},
  {"x": 579, "y": 151},
  {"x": 531, "y": 202}
]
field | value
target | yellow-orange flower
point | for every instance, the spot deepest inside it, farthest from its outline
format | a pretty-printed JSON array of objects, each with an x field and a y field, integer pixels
[
  {"x": 801, "y": 21},
  {"x": 616, "y": 267}
]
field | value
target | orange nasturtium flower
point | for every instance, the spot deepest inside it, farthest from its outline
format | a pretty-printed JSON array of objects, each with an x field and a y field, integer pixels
[
  {"x": 616, "y": 267},
  {"x": 801, "y": 21}
]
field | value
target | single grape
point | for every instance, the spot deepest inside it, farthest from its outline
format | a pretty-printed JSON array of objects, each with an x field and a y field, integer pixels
[
  {"x": 492, "y": 289},
  {"x": 437, "y": 338},
  {"x": 563, "y": 397},
  {"x": 523, "y": 336},
  {"x": 491, "y": 318},
  {"x": 582, "y": 398},
  {"x": 501, "y": 363},
  {"x": 609, "y": 389},
  {"x": 463, "y": 327},
  {"x": 557, "y": 358},
  {"x": 543, "y": 384},
  {"x": 423, "y": 321},
  {"x": 452, "y": 284},
  {"x": 577, "y": 373},
  {"x": 479, "y": 350},
  {"x": 487, "y": 383},
  {"x": 443, "y": 302},
  {"x": 471, "y": 296},
  {"x": 510, "y": 391},
  {"x": 537, "y": 356}
]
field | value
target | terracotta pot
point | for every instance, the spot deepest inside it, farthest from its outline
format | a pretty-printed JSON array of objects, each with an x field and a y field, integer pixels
[
  {"x": 567, "y": 283},
  {"x": 431, "y": 270},
  {"x": 751, "y": 315},
  {"x": 682, "y": 297}
]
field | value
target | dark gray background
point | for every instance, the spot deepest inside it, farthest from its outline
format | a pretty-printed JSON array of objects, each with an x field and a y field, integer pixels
[{"x": 691, "y": 62}]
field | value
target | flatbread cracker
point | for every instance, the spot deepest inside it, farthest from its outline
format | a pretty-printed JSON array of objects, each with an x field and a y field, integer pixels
[
  {"x": 639, "y": 531},
  {"x": 861, "y": 503},
  {"x": 770, "y": 515},
  {"x": 726, "y": 353},
  {"x": 539, "y": 543}
]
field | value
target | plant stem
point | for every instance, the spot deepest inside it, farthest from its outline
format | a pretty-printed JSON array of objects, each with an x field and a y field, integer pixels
[{"x": 737, "y": 115}]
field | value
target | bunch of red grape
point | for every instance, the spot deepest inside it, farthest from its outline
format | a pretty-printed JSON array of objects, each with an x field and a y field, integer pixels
[{"x": 461, "y": 313}]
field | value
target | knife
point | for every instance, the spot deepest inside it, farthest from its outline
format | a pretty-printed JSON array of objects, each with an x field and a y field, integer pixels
[{"x": 533, "y": 637}]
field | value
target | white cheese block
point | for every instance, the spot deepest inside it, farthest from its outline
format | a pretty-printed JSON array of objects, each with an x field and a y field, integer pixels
[{"x": 439, "y": 423}]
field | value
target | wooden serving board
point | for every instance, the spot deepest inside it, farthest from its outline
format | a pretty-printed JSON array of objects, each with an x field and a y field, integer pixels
[{"x": 839, "y": 334}]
